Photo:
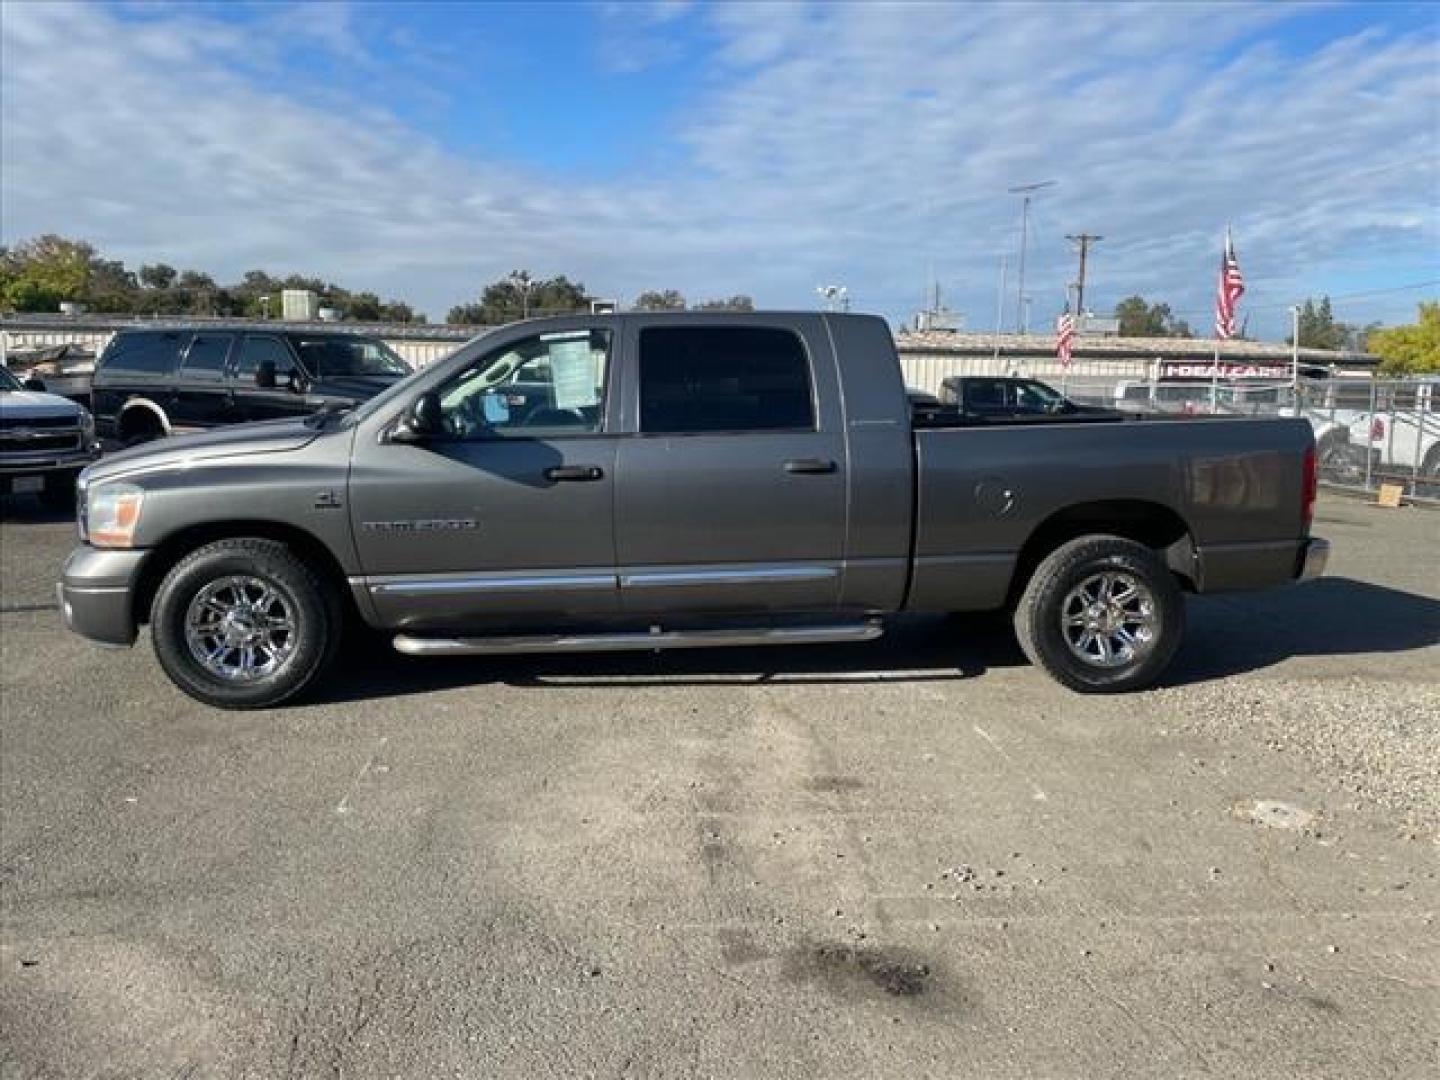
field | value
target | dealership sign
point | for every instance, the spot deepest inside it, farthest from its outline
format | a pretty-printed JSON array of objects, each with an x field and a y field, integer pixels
[{"x": 1206, "y": 369}]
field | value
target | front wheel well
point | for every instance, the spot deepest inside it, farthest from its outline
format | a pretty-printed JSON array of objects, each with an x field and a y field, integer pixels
[
  {"x": 176, "y": 546},
  {"x": 1152, "y": 524}
]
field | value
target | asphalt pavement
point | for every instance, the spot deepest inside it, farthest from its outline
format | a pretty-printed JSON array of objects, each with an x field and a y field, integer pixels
[{"x": 916, "y": 858}]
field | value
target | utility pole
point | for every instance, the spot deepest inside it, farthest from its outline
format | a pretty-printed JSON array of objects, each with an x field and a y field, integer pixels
[
  {"x": 1084, "y": 240},
  {"x": 1028, "y": 192}
]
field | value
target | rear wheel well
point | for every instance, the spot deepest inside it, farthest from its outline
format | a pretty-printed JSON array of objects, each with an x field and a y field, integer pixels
[
  {"x": 1152, "y": 524},
  {"x": 174, "y": 548}
]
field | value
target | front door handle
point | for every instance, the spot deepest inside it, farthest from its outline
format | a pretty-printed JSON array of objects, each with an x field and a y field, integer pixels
[
  {"x": 809, "y": 465},
  {"x": 574, "y": 472}
]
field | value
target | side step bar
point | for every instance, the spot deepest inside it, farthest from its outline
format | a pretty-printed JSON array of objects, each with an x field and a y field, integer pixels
[{"x": 412, "y": 645}]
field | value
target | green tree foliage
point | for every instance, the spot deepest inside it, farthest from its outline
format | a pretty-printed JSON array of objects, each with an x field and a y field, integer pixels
[
  {"x": 660, "y": 300},
  {"x": 1318, "y": 328},
  {"x": 519, "y": 296},
  {"x": 735, "y": 303},
  {"x": 1140, "y": 318},
  {"x": 158, "y": 276},
  {"x": 39, "y": 274},
  {"x": 1412, "y": 349}
]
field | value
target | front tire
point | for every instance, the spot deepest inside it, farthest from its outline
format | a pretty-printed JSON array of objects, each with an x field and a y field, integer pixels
[
  {"x": 1101, "y": 615},
  {"x": 244, "y": 624}
]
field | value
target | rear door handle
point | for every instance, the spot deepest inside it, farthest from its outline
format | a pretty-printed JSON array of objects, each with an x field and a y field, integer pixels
[
  {"x": 809, "y": 465},
  {"x": 574, "y": 472}
]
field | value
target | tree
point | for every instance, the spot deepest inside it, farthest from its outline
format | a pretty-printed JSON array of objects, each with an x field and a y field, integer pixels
[
  {"x": 735, "y": 303},
  {"x": 38, "y": 274},
  {"x": 1318, "y": 328},
  {"x": 1139, "y": 318},
  {"x": 158, "y": 276},
  {"x": 1412, "y": 349},
  {"x": 519, "y": 295},
  {"x": 654, "y": 300}
]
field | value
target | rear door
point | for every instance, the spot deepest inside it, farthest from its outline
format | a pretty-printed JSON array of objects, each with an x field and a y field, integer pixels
[
  {"x": 203, "y": 397},
  {"x": 730, "y": 496}
]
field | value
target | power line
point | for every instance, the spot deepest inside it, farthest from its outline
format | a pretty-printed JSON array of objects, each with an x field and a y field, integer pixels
[{"x": 1332, "y": 296}]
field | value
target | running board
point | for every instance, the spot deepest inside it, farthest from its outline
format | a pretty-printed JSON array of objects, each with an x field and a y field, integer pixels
[{"x": 638, "y": 642}]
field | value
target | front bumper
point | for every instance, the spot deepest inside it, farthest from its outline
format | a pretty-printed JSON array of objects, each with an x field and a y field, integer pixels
[
  {"x": 97, "y": 592},
  {"x": 1314, "y": 554}
]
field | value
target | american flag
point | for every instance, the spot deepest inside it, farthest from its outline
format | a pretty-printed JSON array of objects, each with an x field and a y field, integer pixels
[
  {"x": 1064, "y": 337},
  {"x": 1228, "y": 290}
]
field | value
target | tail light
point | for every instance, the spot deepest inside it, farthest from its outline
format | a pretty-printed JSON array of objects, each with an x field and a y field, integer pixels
[
  {"x": 1309, "y": 484},
  {"x": 1377, "y": 430}
]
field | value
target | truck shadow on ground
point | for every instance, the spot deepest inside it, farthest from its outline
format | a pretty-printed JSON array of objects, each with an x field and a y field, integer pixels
[
  {"x": 29, "y": 509},
  {"x": 1241, "y": 632},
  {"x": 1227, "y": 635}
]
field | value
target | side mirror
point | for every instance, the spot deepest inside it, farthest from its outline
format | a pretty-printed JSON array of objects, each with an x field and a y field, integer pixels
[
  {"x": 422, "y": 420},
  {"x": 265, "y": 375},
  {"x": 34, "y": 382}
]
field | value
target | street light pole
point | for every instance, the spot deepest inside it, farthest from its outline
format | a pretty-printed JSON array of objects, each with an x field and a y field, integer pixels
[
  {"x": 1027, "y": 191},
  {"x": 1295, "y": 355}
]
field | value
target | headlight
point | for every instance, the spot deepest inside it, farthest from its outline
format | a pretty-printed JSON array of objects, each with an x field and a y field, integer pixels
[
  {"x": 112, "y": 511},
  {"x": 87, "y": 426}
]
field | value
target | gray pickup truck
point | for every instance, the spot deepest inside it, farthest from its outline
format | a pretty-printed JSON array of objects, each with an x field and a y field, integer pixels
[{"x": 675, "y": 481}]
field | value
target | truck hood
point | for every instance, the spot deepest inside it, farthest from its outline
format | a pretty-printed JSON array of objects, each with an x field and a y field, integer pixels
[
  {"x": 268, "y": 437},
  {"x": 35, "y": 405}
]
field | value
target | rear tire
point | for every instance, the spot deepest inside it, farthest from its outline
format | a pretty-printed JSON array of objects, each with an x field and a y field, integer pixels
[
  {"x": 244, "y": 624},
  {"x": 1101, "y": 615}
]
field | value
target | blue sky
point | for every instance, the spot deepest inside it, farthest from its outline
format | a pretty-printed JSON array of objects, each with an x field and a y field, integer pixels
[{"x": 422, "y": 149}]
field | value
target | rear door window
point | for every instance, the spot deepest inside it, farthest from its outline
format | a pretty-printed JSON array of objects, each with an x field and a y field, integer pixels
[
  {"x": 144, "y": 354},
  {"x": 724, "y": 378},
  {"x": 206, "y": 359}
]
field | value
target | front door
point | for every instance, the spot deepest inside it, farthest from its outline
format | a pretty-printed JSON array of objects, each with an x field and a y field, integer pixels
[
  {"x": 510, "y": 514},
  {"x": 283, "y": 398},
  {"x": 203, "y": 397},
  {"x": 731, "y": 497}
]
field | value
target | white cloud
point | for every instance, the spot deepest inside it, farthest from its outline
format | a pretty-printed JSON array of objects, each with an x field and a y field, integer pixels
[{"x": 841, "y": 142}]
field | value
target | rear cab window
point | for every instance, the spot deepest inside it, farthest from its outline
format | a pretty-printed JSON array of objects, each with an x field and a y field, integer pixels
[{"x": 724, "y": 379}]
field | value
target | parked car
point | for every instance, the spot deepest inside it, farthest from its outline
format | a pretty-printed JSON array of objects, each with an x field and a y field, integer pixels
[
  {"x": 150, "y": 383},
  {"x": 1402, "y": 434},
  {"x": 698, "y": 480},
  {"x": 45, "y": 440},
  {"x": 1011, "y": 396}
]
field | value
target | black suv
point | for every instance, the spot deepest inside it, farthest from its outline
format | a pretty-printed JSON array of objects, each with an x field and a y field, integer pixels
[{"x": 150, "y": 383}]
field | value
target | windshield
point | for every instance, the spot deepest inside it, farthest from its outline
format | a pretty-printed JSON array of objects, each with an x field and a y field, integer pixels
[
  {"x": 1031, "y": 395},
  {"x": 332, "y": 357},
  {"x": 402, "y": 389},
  {"x": 8, "y": 381}
]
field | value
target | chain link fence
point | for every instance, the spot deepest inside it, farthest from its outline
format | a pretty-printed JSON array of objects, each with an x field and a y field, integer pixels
[{"x": 1368, "y": 431}]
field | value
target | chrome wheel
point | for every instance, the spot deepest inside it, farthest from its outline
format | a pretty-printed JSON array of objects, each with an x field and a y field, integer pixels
[
  {"x": 1108, "y": 619},
  {"x": 240, "y": 628}
]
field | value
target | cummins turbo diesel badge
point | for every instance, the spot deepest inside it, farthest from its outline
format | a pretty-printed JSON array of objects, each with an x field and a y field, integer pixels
[{"x": 422, "y": 525}]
